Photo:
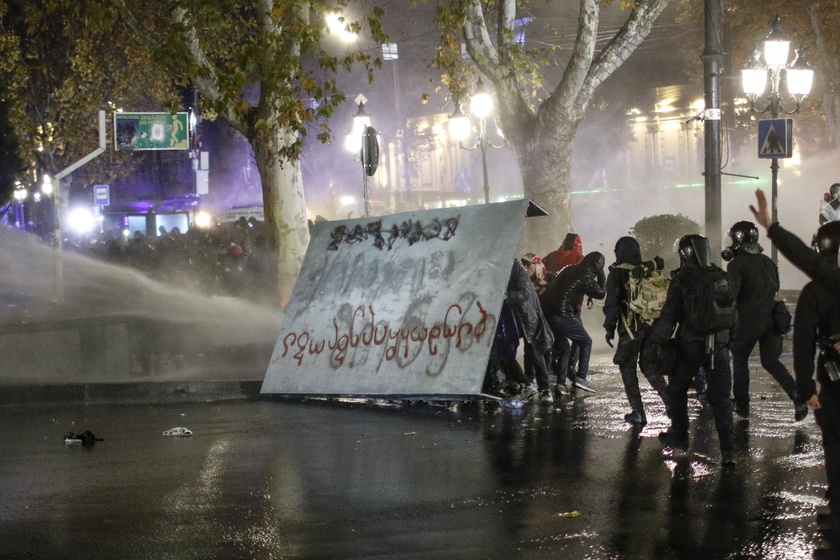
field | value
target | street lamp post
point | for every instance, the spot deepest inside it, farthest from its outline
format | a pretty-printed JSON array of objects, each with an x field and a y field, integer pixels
[
  {"x": 798, "y": 80},
  {"x": 53, "y": 192},
  {"x": 481, "y": 106},
  {"x": 20, "y": 213},
  {"x": 362, "y": 140}
]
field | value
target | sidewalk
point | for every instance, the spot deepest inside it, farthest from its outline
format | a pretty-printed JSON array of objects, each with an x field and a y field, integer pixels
[{"x": 315, "y": 479}]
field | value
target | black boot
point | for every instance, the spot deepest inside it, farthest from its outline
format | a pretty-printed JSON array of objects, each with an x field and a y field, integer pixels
[
  {"x": 636, "y": 417},
  {"x": 668, "y": 439},
  {"x": 741, "y": 408},
  {"x": 634, "y": 397}
]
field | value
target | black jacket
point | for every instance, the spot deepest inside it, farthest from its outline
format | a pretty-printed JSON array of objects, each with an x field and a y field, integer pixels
[
  {"x": 754, "y": 278},
  {"x": 675, "y": 313},
  {"x": 627, "y": 251},
  {"x": 564, "y": 296},
  {"x": 816, "y": 316},
  {"x": 823, "y": 272}
]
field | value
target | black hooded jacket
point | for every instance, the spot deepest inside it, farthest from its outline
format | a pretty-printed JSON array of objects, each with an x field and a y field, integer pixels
[
  {"x": 564, "y": 296},
  {"x": 627, "y": 251}
]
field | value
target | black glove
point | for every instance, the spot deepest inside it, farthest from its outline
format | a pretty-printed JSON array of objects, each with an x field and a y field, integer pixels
[{"x": 609, "y": 338}]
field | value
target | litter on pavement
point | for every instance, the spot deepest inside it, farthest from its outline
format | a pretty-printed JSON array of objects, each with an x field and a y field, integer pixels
[
  {"x": 180, "y": 431},
  {"x": 85, "y": 438}
]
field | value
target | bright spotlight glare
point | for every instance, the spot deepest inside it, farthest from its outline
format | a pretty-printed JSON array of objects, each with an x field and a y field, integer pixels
[
  {"x": 202, "y": 219},
  {"x": 80, "y": 220}
]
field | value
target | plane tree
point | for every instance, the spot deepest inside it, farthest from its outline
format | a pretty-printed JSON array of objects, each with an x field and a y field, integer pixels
[
  {"x": 539, "y": 111},
  {"x": 261, "y": 65},
  {"x": 264, "y": 67},
  {"x": 60, "y": 63},
  {"x": 11, "y": 164}
]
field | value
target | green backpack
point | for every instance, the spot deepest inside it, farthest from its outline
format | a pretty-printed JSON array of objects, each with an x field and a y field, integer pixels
[{"x": 647, "y": 289}]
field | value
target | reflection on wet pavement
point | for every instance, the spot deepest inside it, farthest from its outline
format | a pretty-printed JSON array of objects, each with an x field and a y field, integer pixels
[{"x": 320, "y": 479}]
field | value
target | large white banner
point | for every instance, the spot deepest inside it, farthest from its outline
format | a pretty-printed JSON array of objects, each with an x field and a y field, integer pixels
[{"x": 399, "y": 305}]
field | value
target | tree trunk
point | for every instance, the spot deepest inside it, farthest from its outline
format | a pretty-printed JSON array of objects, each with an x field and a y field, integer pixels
[
  {"x": 546, "y": 164},
  {"x": 287, "y": 228},
  {"x": 543, "y": 140}
]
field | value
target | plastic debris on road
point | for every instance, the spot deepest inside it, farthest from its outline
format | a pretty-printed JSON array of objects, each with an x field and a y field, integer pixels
[
  {"x": 505, "y": 402},
  {"x": 179, "y": 431},
  {"x": 569, "y": 514}
]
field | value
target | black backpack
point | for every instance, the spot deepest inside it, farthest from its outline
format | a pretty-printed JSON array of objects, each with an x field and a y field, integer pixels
[{"x": 709, "y": 299}]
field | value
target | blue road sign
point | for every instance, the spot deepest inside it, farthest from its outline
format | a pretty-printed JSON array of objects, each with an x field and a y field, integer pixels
[
  {"x": 775, "y": 138},
  {"x": 101, "y": 195}
]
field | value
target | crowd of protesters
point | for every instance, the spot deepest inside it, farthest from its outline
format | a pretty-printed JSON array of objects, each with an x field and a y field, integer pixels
[{"x": 223, "y": 259}]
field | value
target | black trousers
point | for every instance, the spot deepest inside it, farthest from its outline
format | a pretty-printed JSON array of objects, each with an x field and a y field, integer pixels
[
  {"x": 691, "y": 357},
  {"x": 828, "y": 419},
  {"x": 627, "y": 358},
  {"x": 763, "y": 333}
]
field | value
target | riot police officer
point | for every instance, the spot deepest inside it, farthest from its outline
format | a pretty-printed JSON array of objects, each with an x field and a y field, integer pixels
[
  {"x": 817, "y": 300},
  {"x": 817, "y": 320},
  {"x": 696, "y": 349},
  {"x": 755, "y": 281}
]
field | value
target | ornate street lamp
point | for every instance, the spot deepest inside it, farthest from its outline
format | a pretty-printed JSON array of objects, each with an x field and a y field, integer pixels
[
  {"x": 798, "y": 76},
  {"x": 482, "y": 106}
]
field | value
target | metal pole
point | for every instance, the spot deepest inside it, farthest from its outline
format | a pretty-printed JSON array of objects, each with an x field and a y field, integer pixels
[
  {"x": 775, "y": 101},
  {"x": 367, "y": 198},
  {"x": 58, "y": 269},
  {"x": 58, "y": 266},
  {"x": 774, "y": 197},
  {"x": 711, "y": 119},
  {"x": 482, "y": 138},
  {"x": 364, "y": 157}
]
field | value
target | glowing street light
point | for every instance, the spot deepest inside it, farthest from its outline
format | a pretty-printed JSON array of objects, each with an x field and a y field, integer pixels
[
  {"x": 482, "y": 106},
  {"x": 361, "y": 120},
  {"x": 798, "y": 77},
  {"x": 20, "y": 195},
  {"x": 47, "y": 186}
]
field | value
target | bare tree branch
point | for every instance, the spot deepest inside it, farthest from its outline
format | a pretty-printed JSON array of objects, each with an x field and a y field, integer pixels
[{"x": 622, "y": 45}]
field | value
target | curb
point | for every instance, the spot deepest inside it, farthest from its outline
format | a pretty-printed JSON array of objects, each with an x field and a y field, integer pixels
[{"x": 130, "y": 393}]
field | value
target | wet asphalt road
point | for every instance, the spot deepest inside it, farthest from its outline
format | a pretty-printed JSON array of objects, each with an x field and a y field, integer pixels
[{"x": 281, "y": 479}]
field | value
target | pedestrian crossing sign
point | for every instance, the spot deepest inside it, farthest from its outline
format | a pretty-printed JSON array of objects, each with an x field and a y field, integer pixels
[
  {"x": 775, "y": 138},
  {"x": 102, "y": 195}
]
